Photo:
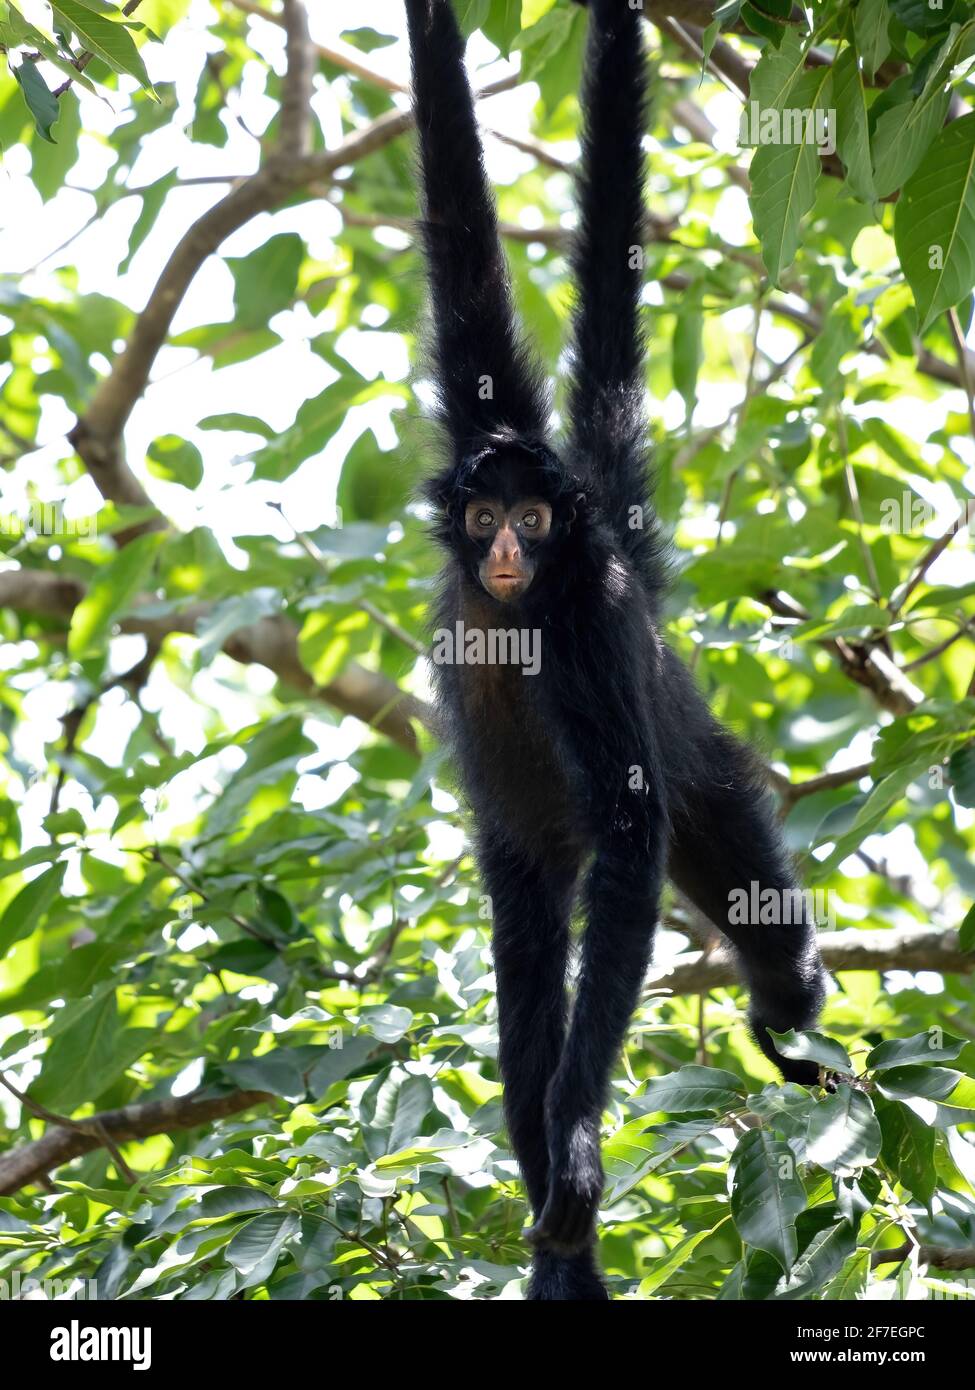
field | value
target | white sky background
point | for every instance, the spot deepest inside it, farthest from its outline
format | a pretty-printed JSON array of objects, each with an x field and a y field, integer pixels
[{"x": 274, "y": 385}]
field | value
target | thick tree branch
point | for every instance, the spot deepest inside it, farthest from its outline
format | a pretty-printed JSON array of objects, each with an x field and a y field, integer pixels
[
  {"x": 914, "y": 948},
  {"x": 97, "y": 436},
  {"x": 295, "y": 138},
  {"x": 935, "y": 1256},
  {"x": 864, "y": 663},
  {"x": 272, "y": 642},
  {"x": 32, "y": 1161}
]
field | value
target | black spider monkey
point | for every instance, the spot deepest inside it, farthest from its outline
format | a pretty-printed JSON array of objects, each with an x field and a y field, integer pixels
[{"x": 607, "y": 762}]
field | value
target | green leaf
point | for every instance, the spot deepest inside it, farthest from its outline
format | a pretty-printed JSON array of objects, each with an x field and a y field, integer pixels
[
  {"x": 40, "y": 100},
  {"x": 966, "y": 932},
  {"x": 65, "y": 823},
  {"x": 688, "y": 350},
  {"x": 276, "y": 1072},
  {"x": 175, "y": 460},
  {"x": 903, "y": 136},
  {"x": 784, "y": 176},
  {"x": 759, "y": 22},
  {"x": 50, "y": 164},
  {"x": 387, "y": 1022},
  {"x": 318, "y": 419},
  {"x": 843, "y": 1131},
  {"x": 76, "y": 975},
  {"x": 112, "y": 591},
  {"x": 925, "y": 16},
  {"x": 852, "y": 133},
  {"x": 821, "y": 1259},
  {"x": 850, "y": 1283},
  {"x": 691, "y": 1088},
  {"x": 16, "y": 32},
  {"x": 153, "y": 196},
  {"x": 402, "y": 1102},
  {"x": 908, "y": 1148},
  {"x": 90, "y": 1050},
  {"x": 108, "y": 39},
  {"x": 234, "y": 420},
  {"x": 935, "y": 1083},
  {"x": 229, "y": 615},
  {"x": 933, "y": 1046},
  {"x": 255, "y": 1249},
  {"x": 674, "y": 1259},
  {"x": 266, "y": 280},
  {"x": 335, "y": 1064},
  {"x": 766, "y": 1195},
  {"x": 30, "y": 906},
  {"x": 634, "y": 1151},
  {"x": 777, "y": 71},
  {"x": 228, "y": 1201},
  {"x": 471, "y": 15},
  {"x": 812, "y": 1047},
  {"x": 870, "y": 22},
  {"x": 961, "y": 766}
]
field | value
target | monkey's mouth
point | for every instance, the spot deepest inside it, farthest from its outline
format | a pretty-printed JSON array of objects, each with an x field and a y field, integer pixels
[{"x": 507, "y": 585}]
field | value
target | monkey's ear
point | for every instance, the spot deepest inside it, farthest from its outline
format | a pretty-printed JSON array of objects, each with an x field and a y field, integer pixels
[{"x": 580, "y": 498}]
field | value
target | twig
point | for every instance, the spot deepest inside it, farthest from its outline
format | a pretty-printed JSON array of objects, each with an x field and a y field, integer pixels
[
  {"x": 248, "y": 928},
  {"x": 342, "y": 56},
  {"x": 934, "y": 552},
  {"x": 791, "y": 792},
  {"x": 383, "y": 619},
  {"x": 85, "y": 57}
]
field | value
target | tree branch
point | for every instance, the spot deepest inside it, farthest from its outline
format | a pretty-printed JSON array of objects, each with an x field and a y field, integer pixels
[
  {"x": 914, "y": 948},
  {"x": 342, "y": 56},
  {"x": 936, "y": 1256},
  {"x": 97, "y": 435},
  {"x": 852, "y": 949},
  {"x": 295, "y": 137},
  {"x": 791, "y": 792},
  {"x": 272, "y": 642},
  {"x": 30, "y": 1162}
]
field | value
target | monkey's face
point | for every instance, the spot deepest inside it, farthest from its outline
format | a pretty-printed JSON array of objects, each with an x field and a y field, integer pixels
[{"x": 507, "y": 537}]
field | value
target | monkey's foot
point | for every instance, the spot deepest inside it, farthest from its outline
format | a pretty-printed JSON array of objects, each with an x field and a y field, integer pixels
[
  {"x": 568, "y": 1217},
  {"x": 557, "y": 1278}
]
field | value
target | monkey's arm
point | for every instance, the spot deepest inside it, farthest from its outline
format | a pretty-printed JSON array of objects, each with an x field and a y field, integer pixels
[
  {"x": 605, "y": 400},
  {"x": 485, "y": 377}
]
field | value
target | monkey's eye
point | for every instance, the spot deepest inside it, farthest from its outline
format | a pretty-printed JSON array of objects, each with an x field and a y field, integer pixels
[
  {"x": 531, "y": 520},
  {"x": 484, "y": 517}
]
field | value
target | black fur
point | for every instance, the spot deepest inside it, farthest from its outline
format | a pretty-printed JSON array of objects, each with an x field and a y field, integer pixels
[{"x": 604, "y": 772}]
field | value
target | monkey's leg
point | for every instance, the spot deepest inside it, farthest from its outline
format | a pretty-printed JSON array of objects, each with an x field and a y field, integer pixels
[
  {"x": 623, "y": 891},
  {"x": 726, "y": 852},
  {"x": 531, "y": 909}
]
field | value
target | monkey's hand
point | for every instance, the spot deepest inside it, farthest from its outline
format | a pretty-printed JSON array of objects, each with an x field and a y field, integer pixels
[{"x": 565, "y": 1224}]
